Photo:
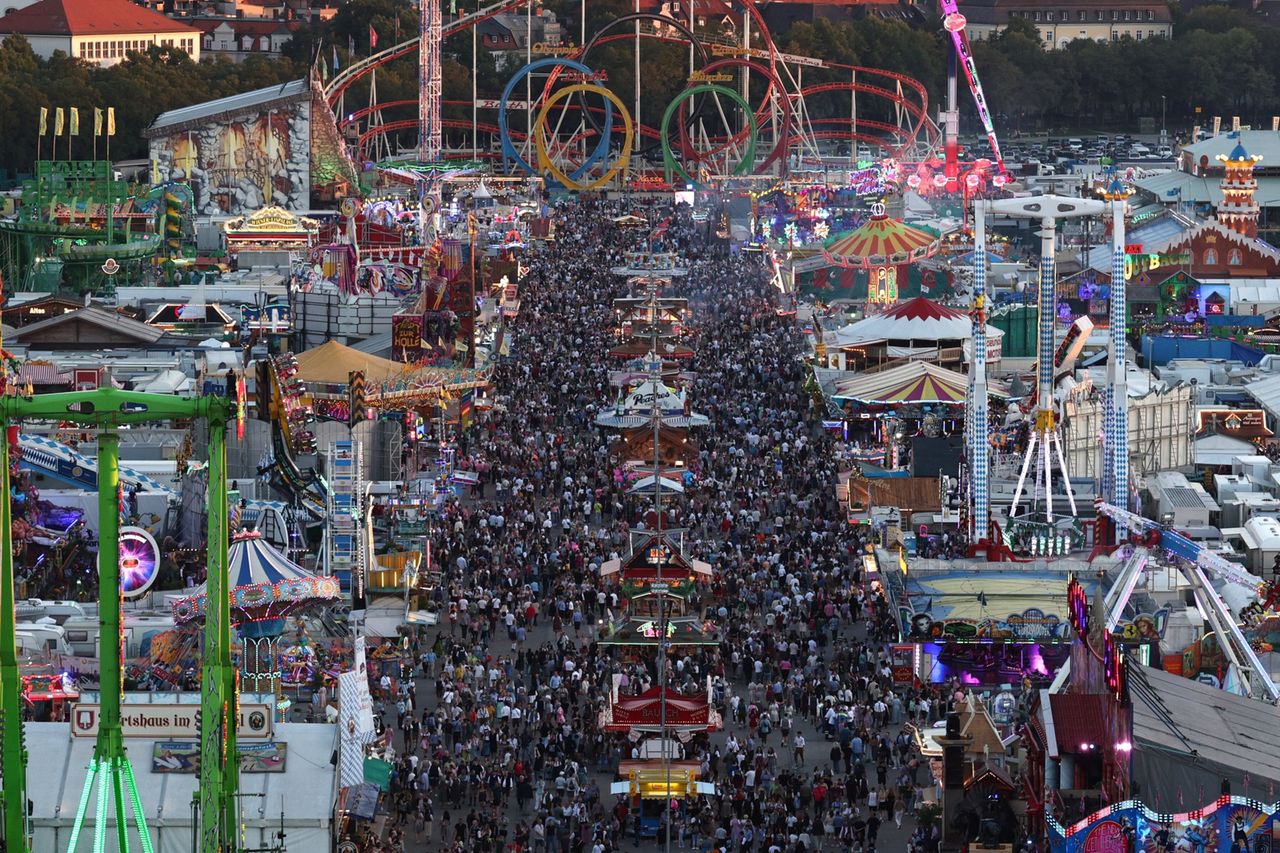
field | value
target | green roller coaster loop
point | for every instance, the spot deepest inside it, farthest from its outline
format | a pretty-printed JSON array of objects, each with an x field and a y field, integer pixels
[
  {"x": 672, "y": 165},
  {"x": 108, "y": 409}
]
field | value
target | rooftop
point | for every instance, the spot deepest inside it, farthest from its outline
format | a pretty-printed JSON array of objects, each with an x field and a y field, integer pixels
[
  {"x": 245, "y": 101},
  {"x": 1263, "y": 143},
  {"x": 88, "y": 18}
]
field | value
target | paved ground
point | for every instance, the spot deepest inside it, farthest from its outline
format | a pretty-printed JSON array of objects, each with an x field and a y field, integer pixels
[{"x": 891, "y": 838}]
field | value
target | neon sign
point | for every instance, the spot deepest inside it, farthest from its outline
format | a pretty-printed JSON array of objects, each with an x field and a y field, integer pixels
[{"x": 653, "y": 631}]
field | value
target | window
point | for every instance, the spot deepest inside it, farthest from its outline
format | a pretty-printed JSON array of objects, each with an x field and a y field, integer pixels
[
  {"x": 84, "y": 50},
  {"x": 1048, "y": 16},
  {"x": 1151, "y": 15},
  {"x": 1210, "y": 257},
  {"x": 1115, "y": 36},
  {"x": 1137, "y": 34},
  {"x": 1151, "y": 34},
  {"x": 1234, "y": 258},
  {"x": 1080, "y": 15},
  {"x": 1126, "y": 14},
  {"x": 1037, "y": 16},
  {"x": 1097, "y": 15}
]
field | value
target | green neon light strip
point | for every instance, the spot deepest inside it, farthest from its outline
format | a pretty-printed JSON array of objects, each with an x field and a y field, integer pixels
[
  {"x": 83, "y": 807},
  {"x": 139, "y": 816},
  {"x": 748, "y": 162},
  {"x": 100, "y": 827}
]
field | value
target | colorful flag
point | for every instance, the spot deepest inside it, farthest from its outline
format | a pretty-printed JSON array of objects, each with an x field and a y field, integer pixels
[
  {"x": 75, "y": 122},
  {"x": 111, "y": 121},
  {"x": 336, "y": 65},
  {"x": 373, "y": 38},
  {"x": 59, "y": 119},
  {"x": 44, "y": 120},
  {"x": 97, "y": 121}
]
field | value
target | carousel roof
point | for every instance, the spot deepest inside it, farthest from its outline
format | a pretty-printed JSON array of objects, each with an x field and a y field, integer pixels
[
  {"x": 918, "y": 319},
  {"x": 882, "y": 241},
  {"x": 910, "y": 382},
  {"x": 264, "y": 583}
]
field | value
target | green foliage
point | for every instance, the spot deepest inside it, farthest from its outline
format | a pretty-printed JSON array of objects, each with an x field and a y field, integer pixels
[{"x": 1222, "y": 60}]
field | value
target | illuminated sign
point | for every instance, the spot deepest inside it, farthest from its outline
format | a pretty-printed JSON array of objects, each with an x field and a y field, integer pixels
[
  {"x": 543, "y": 49},
  {"x": 653, "y": 631},
  {"x": 704, "y": 77}
]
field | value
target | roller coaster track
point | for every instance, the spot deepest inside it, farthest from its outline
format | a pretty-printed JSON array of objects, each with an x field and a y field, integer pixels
[{"x": 793, "y": 127}]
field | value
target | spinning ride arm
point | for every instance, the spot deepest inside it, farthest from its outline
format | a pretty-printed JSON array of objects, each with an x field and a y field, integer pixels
[
  {"x": 955, "y": 24},
  {"x": 1197, "y": 566}
]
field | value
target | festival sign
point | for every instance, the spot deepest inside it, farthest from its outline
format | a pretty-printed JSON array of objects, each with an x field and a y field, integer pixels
[
  {"x": 184, "y": 757},
  {"x": 406, "y": 337},
  {"x": 160, "y": 722},
  {"x": 1033, "y": 624},
  {"x": 1237, "y": 423}
]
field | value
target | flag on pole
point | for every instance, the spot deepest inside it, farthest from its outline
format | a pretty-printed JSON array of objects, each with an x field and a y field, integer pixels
[
  {"x": 336, "y": 65},
  {"x": 44, "y": 120},
  {"x": 59, "y": 118},
  {"x": 111, "y": 121},
  {"x": 75, "y": 122},
  {"x": 97, "y": 121},
  {"x": 351, "y": 45},
  {"x": 324, "y": 69},
  {"x": 373, "y": 38}
]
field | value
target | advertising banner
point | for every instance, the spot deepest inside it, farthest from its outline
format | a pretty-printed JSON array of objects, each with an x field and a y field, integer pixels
[{"x": 168, "y": 722}]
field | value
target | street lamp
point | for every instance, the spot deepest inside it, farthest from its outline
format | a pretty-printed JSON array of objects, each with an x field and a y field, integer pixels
[{"x": 1164, "y": 134}]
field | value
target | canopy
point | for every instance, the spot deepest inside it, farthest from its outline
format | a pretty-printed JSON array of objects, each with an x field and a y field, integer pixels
[
  {"x": 918, "y": 319},
  {"x": 332, "y": 364},
  {"x": 264, "y": 584},
  {"x": 882, "y": 241},
  {"x": 165, "y": 382},
  {"x": 909, "y": 382},
  {"x": 645, "y": 485},
  {"x": 644, "y": 712}
]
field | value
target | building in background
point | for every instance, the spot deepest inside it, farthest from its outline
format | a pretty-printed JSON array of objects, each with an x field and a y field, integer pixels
[
  {"x": 99, "y": 31},
  {"x": 239, "y": 38},
  {"x": 1059, "y": 24}
]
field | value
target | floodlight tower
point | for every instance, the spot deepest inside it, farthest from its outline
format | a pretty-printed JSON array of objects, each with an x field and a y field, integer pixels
[{"x": 1046, "y": 441}]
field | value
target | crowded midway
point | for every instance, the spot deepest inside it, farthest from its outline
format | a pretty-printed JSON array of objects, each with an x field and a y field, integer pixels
[{"x": 498, "y": 746}]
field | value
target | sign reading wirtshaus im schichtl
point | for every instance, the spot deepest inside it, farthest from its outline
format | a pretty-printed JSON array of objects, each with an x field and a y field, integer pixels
[{"x": 167, "y": 722}]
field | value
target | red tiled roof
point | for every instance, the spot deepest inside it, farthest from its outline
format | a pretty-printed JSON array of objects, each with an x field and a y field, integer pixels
[
  {"x": 922, "y": 308},
  {"x": 88, "y": 18},
  {"x": 1078, "y": 718},
  {"x": 42, "y": 374}
]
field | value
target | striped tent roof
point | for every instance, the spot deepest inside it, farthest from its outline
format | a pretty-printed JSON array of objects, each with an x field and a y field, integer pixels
[
  {"x": 910, "y": 382},
  {"x": 264, "y": 584},
  {"x": 882, "y": 241}
]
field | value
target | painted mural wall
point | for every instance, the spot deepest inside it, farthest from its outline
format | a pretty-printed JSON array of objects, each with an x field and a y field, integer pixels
[{"x": 238, "y": 163}]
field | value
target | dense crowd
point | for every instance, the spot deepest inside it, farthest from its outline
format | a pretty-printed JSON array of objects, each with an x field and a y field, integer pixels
[{"x": 500, "y": 743}]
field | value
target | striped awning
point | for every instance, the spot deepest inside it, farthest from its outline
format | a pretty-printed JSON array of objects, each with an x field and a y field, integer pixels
[
  {"x": 882, "y": 241},
  {"x": 264, "y": 584},
  {"x": 911, "y": 382}
]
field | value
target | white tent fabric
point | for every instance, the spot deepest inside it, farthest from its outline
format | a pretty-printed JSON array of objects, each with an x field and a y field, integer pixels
[
  {"x": 645, "y": 485},
  {"x": 914, "y": 321},
  {"x": 305, "y": 792},
  {"x": 166, "y": 382}
]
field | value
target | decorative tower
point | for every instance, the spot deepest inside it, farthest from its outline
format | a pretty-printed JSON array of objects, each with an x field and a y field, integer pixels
[{"x": 1238, "y": 211}]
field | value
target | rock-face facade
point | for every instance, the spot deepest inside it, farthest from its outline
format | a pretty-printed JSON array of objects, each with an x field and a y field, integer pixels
[{"x": 237, "y": 163}]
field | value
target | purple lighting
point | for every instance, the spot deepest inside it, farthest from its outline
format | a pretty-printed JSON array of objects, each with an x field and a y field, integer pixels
[{"x": 139, "y": 561}]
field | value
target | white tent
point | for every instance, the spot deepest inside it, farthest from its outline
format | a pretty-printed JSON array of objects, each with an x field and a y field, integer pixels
[
  {"x": 305, "y": 792},
  {"x": 165, "y": 382},
  {"x": 645, "y": 486},
  {"x": 917, "y": 327}
]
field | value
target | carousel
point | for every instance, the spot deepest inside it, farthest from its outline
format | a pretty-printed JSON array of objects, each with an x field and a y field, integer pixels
[
  {"x": 266, "y": 589},
  {"x": 884, "y": 248}
]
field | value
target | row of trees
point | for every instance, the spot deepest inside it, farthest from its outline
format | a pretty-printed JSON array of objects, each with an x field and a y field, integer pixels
[{"x": 1221, "y": 61}]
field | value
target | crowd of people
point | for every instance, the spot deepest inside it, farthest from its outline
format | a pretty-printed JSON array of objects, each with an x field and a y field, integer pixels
[{"x": 498, "y": 741}]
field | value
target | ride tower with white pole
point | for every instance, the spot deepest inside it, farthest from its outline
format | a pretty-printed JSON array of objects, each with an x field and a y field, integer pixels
[
  {"x": 1115, "y": 423},
  {"x": 1045, "y": 444}
]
